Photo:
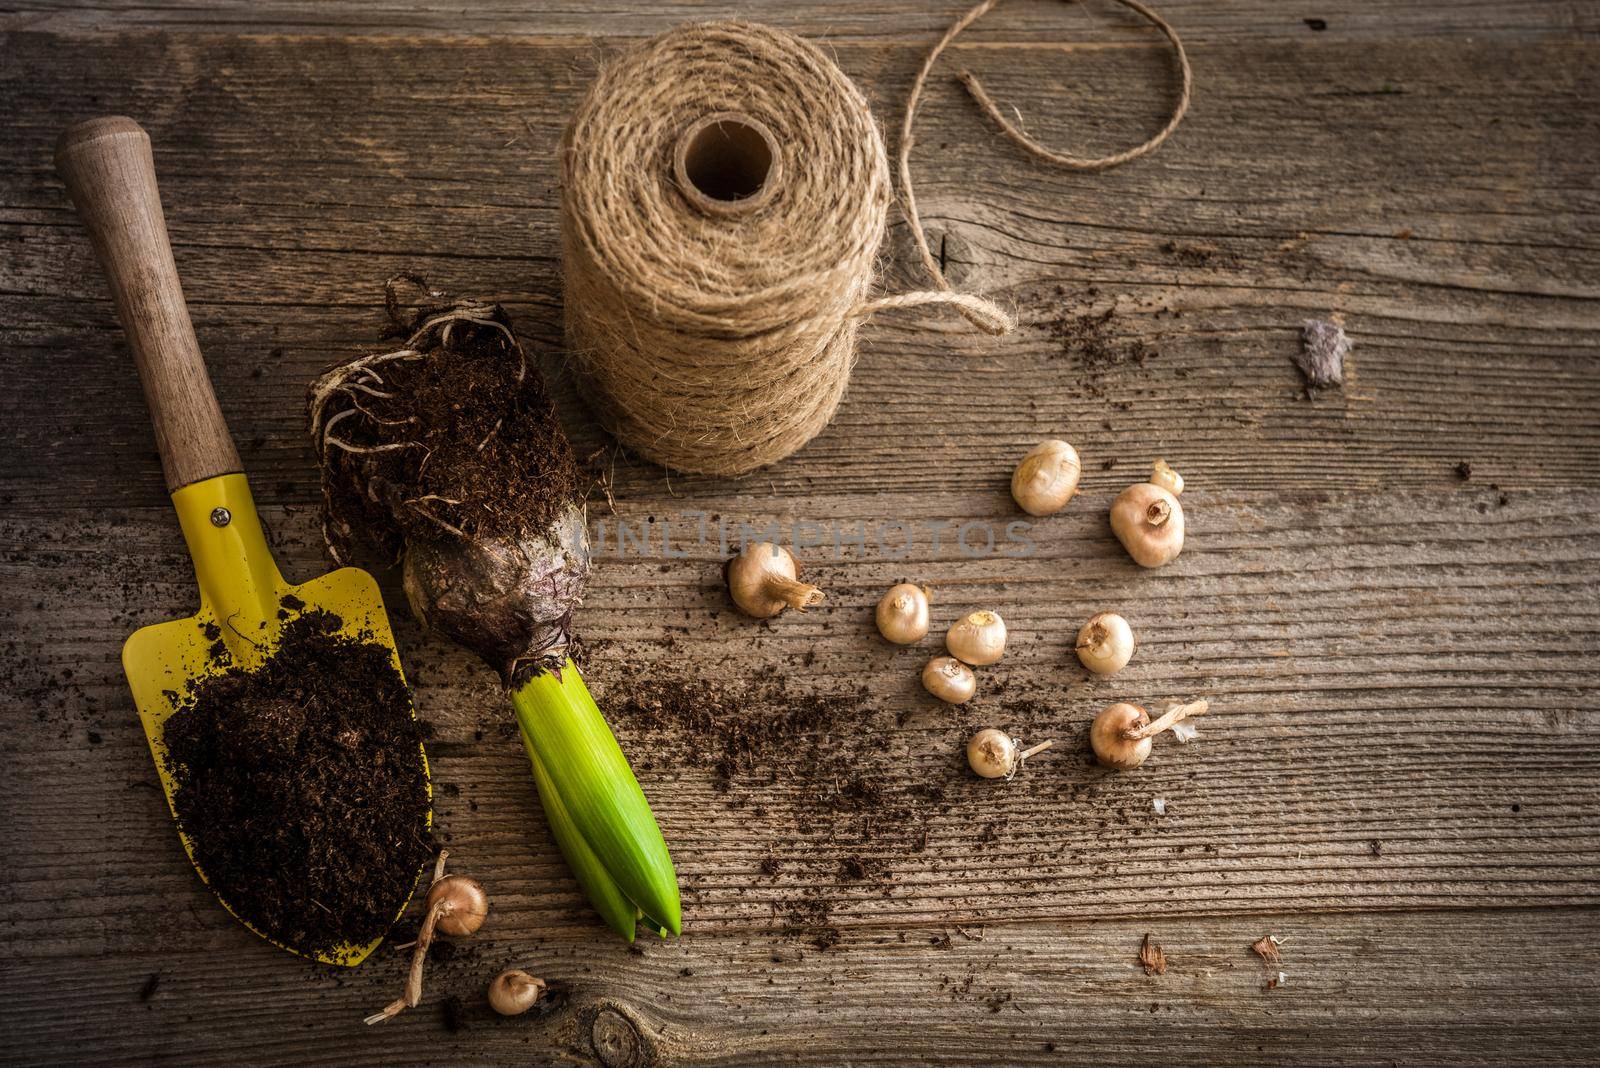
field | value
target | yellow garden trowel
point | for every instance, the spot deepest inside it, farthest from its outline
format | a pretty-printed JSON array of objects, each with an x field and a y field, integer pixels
[{"x": 110, "y": 174}]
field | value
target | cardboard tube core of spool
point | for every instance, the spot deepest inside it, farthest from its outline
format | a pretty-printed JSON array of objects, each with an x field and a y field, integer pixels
[{"x": 727, "y": 163}]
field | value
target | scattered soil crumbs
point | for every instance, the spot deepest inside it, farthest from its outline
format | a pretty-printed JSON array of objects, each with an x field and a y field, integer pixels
[
  {"x": 469, "y": 438},
  {"x": 968, "y": 991},
  {"x": 300, "y": 785},
  {"x": 1199, "y": 255},
  {"x": 761, "y": 730},
  {"x": 1090, "y": 340}
]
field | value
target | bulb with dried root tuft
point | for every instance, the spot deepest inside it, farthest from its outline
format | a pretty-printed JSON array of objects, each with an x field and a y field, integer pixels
[
  {"x": 446, "y": 454},
  {"x": 762, "y": 581},
  {"x": 1148, "y": 520},
  {"x": 1122, "y": 734},
  {"x": 456, "y": 907},
  {"x": 994, "y": 754}
]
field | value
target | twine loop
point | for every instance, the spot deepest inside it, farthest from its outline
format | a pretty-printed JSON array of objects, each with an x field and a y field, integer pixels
[{"x": 908, "y": 197}]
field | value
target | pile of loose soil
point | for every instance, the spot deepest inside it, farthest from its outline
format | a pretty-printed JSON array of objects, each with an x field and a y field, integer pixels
[
  {"x": 302, "y": 788},
  {"x": 457, "y": 435}
]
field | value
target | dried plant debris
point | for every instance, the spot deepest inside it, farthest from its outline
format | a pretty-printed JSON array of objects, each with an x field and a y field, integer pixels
[
  {"x": 1150, "y": 955},
  {"x": 1323, "y": 349}
]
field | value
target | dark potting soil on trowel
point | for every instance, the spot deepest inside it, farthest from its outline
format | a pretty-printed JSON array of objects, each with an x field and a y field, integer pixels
[{"x": 302, "y": 788}]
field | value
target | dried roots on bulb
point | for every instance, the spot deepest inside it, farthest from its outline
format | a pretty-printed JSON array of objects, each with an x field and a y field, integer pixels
[
  {"x": 445, "y": 455},
  {"x": 762, "y": 580},
  {"x": 1122, "y": 734},
  {"x": 1148, "y": 520},
  {"x": 994, "y": 754},
  {"x": 456, "y": 907}
]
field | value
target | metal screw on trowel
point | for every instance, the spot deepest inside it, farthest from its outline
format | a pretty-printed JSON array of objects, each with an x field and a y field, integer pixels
[{"x": 221, "y": 517}]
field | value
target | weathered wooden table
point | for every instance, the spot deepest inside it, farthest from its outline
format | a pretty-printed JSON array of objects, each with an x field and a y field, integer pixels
[{"x": 1391, "y": 592}]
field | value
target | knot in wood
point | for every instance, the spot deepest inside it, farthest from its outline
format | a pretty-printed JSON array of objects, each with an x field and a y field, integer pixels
[{"x": 617, "y": 1039}]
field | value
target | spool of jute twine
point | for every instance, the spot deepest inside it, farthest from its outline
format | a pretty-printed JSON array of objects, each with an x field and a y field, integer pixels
[{"x": 725, "y": 192}]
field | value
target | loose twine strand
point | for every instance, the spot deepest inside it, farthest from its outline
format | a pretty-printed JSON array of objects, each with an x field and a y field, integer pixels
[
  {"x": 720, "y": 341},
  {"x": 908, "y": 198}
]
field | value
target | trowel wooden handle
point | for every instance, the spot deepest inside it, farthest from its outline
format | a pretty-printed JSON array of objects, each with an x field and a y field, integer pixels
[{"x": 111, "y": 177}]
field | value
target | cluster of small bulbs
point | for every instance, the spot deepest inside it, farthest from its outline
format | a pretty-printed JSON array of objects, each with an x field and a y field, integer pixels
[
  {"x": 1146, "y": 518},
  {"x": 456, "y": 907},
  {"x": 977, "y": 639}
]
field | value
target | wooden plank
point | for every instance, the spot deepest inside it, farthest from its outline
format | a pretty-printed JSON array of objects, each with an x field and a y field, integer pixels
[
  {"x": 1384, "y": 736},
  {"x": 1474, "y": 988},
  {"x": 1398, "y": 772},
  {"x": 298, "y": 173},
  {"x": 891, "y": 20}
]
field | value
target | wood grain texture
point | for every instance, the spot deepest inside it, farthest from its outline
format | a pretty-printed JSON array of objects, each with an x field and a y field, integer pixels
[
  {"x": 1399, "y": 773},
  {"x": 893, "y": 21},
  {"x": 1465, "y": 988},
  {"x": 299, "y": 173}
]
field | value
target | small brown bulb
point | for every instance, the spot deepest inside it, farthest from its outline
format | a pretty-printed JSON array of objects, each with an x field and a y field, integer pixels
[
  {"x": 762, "y": 582},
  {"x": 1122, "y": 734},
  {"x": 1162, "y": 474},
  {"x": 903, "y": 614},
  {"x": 1105, "y": 644},
  {"x": 514, "y": 992},
  {"x": 1046, "y": 478},
  {"x": 978, "y": 638},
  {"x": 1148, "y": 520},
  {"x": 949, "y": 679},
  {"x": 994, "y": 754},
  {"x": 455, "y": 906},
  {"x": 462, "y": 905}
]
